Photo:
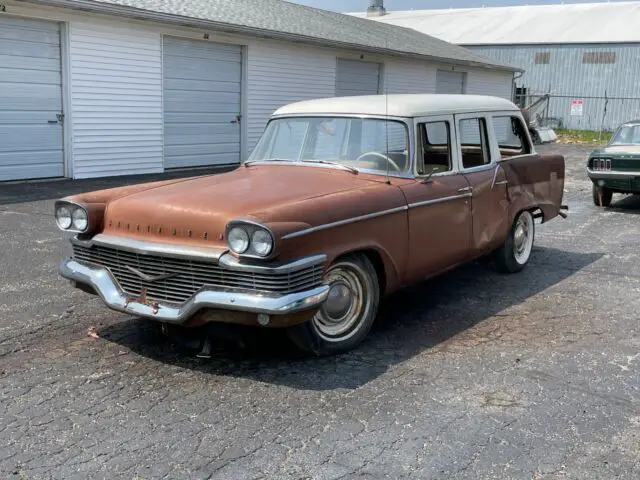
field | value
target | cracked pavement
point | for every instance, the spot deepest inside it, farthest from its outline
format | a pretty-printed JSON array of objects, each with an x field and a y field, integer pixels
[{"x": 470, "y": 375}]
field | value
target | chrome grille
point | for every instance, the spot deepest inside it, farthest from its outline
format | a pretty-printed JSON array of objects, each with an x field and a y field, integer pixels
[{"x": 189, "y": 276}]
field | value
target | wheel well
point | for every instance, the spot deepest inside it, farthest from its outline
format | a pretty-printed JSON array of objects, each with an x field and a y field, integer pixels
[{"x": 377, "y": 262}]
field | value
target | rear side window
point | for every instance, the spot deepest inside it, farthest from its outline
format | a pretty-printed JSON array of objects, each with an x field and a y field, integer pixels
[
  {"x": 511, "y": 136},
  {"x": 473, "y": 142}
]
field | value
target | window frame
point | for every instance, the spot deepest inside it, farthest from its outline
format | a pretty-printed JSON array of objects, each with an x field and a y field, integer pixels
[
  {"x": 417, "y": 148},
  {"x": 494, "y": 140},
  {"x": 489, "y": 147},
  {"x": 407, "y": 122},
  {"x": 527, "y": 143}
]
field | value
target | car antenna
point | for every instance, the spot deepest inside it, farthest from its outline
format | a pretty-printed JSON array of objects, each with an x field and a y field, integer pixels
[{"x": 386, "y": 111}]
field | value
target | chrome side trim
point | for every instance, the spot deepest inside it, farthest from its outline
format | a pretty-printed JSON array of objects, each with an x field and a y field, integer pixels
[
  {"x": 600, "y": 174},
  {"x": 232, "y": 263},
  {"x": 439, "y": 200},
  {"x": 150, "y": 248},
  {"x": 103, "y": 282},
  {"x": 340, "y": 223},
  {"x": 502, "y": 182}
]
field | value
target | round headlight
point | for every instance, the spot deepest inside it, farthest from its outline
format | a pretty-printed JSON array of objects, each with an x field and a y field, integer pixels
[
  {"x": 79, "y": 219},
  {"x": 238, "y": 240},
  {"x": 63, "y": 218},
  {"x": 261, "y": 243}
]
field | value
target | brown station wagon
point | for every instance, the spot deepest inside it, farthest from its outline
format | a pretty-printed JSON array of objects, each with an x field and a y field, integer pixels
[{"x": 342, "y": 201}]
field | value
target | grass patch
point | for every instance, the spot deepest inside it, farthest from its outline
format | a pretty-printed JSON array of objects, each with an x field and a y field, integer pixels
[{"x": 583, "y": 136}]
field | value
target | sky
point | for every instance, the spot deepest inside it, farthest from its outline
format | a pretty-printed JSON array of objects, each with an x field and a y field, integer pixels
[{"x": 361, "y": 5}]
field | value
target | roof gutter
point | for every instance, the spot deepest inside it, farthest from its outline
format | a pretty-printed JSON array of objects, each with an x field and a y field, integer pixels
[{"x": 140, "y": 14}]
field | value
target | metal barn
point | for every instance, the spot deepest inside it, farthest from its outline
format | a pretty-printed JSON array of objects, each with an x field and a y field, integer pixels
[{"x": 584, "y": 57}]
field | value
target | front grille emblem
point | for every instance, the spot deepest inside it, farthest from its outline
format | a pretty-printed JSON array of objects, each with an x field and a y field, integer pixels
[{"x": 149, "y": 278}]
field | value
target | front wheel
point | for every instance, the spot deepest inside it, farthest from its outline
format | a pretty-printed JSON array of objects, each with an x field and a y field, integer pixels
[
  {"x": 347, "y": 314},
  {"x": 514, "y": 255},
  {"x": 601, "y": 196}
]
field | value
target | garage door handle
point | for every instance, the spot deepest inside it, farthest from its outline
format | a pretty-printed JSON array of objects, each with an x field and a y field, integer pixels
[{"x": 53, "y": 121}]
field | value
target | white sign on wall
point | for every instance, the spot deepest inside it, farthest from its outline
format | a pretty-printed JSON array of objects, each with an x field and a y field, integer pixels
[{"x": 577, "y": 105}]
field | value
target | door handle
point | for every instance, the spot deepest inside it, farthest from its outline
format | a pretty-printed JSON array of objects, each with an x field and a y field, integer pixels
[{"x": 464, "y": 189}]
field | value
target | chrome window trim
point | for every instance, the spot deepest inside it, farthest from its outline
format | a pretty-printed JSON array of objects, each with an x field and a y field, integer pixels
[
  {"x": 232, "y": 263},
  {"x": 380, "y": 173},
  {"x": 346, "y": 221},
  {"x": 439, "y": 200},
  {"x": 143, "y": 247}
]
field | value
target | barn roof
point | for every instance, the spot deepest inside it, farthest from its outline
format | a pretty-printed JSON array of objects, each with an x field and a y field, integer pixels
[{"x": 615, "y": 22}]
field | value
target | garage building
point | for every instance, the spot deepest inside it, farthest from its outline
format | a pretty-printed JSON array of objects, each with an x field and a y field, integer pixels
[
  {"x": 118, "y": 87},
  {"x": 585, "y": 57}
]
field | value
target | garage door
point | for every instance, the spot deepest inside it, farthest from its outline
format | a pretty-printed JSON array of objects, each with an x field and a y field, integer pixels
[
  {"x": 201, "y": 83},
  {"x": 450, "y": 82},
  {"x": 30, "y": 100},
  {"x": 354, "y": 77}
]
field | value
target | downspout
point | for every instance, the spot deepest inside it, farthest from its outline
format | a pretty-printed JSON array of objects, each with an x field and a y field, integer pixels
[{"x": 516, "y": 76}]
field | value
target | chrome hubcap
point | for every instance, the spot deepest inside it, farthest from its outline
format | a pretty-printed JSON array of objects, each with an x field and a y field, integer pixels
[
  {"x": 523, "y": 238},
  {"x": 338, "y": 301},
  {"x": 342, "y": 310},
  {"x": 521, "y": 235}
]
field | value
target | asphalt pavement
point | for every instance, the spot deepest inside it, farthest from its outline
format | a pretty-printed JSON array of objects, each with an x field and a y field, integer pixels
[{"x": 470, "y": 375}]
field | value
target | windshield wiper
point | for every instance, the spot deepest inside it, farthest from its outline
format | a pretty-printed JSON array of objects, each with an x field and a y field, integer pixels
[
  {"x": 335, "y": 164},
  {"x": 249, "y": 162}
]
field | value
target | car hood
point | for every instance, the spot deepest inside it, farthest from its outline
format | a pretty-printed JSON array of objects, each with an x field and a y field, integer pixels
[
  {"x": 197, "y": 210},
  {"x": 626, "y": 151}
]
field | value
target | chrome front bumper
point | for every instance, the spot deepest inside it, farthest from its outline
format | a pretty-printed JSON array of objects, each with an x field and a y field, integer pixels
[
  {"x": 104, "y": 283},
  {"x": 612, "y": 174}
]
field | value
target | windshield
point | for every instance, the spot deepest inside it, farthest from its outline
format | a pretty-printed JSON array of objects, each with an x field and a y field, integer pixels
[
  {"x": 362, "y": 143},
  {"x": 626, "y": 135}
]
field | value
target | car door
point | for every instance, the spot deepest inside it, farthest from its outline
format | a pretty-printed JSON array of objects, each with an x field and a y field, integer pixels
[
  {"x": 438, "y": 201},
  {"x": 479, "y": 159}
]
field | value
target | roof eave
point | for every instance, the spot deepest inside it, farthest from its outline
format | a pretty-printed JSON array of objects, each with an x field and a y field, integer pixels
[{"x": 148, "y": 15}]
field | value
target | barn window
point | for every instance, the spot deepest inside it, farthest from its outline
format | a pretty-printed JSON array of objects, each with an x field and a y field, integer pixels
[
  {"x": 599, "y": 57},
  {"x": 542, "y": 58}
]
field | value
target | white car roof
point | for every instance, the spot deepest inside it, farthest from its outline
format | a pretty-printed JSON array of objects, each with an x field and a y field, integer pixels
[{"x": 398, "y": 105}]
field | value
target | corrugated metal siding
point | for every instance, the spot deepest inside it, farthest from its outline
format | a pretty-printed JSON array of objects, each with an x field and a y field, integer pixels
[
  {"x": 566, "y": 75},
  {"x": 409, "y": 77},
  {"x": 201, "y": 85},
  {"x": 30, "y": 97},
  {"x": 116, "y": 90},
  {"x": 450, "y": 82},
  {"x": 356, "y": 77},
  {"x": 280, "y": 74},
  {"x": 487, "y": 82}
]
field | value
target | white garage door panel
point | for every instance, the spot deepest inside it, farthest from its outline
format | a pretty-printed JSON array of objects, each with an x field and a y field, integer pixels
[
  {"x": 354, "y": 77},
  {"x": 450, "y": 82},
  {"x": 30, "y": 98},
  {"x": 202, "y": 89}
]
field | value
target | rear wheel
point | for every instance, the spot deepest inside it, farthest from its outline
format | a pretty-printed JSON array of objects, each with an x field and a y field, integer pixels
[
  {"x": 347, "y": 314},
  {"x": 601, "y": 196},
  {"x": 514, "y": 255}
]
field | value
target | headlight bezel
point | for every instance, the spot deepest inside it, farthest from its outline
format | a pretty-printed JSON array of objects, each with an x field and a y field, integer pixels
[
  {"x": 250, "y": 228},
  {"x": 72, "y": 209}
]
